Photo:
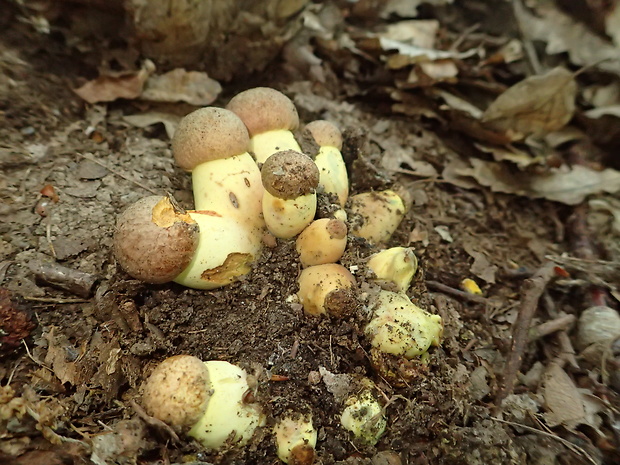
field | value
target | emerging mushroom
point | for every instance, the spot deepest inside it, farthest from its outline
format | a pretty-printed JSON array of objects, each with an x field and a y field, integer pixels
[
  {"x": 380, "y": 214},
  {"x": 363, "y": 414},
  {"x": 396, "y": 265},
  {"x": 204, "y": 400},
  {"x": 270, "y": 116},
  {"x": 213, "y": 144},
  {"x": 290, "y": 179},
  {"x": 155, "y": 239},
  {"x": 334, "y": 178},
  {"x": 323, "y": 241},
  {"x": 327, "y": 289},
  {"x": 295, "y": 439},
  {"x": 401, "y": 328}
]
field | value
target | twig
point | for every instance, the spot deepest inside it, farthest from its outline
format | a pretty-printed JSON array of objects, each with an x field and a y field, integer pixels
[
  {"x": 68, "y": 279},
  {"x": 437, "y": 286},
  {"x": 561, "y": 323},
  {"x": 567, "y": 352},
  {"x": 532, "y": 290},
  {"x": 49, "y": 300},
  {"x": 530, "y": 51},
  {"x": 568, "y": 444}
]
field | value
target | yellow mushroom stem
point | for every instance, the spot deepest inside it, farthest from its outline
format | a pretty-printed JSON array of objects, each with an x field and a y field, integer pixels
[
  {"x": 396, "y": 265},
  {"x": 296, "y": 439},
  {"x": 399, "y": 327},
  {"x": 327, "y": 289},
  {"x": 231, "y": 187},
  {"x": 265, "y": 144},
  {"x": 229, "y": 418},
  {"x": 285, "y": 218},
  {"x": 375, "y": 215},
  {"x": 323, "y": 241},
  {"x": 226, "y": 250}
]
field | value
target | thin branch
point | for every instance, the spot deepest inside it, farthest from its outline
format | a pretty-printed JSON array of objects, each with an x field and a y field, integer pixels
[{"x": 532, "y": 290}]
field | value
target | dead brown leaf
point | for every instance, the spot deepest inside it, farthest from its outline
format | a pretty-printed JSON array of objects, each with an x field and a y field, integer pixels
[
  {"x": 535, "y": 106},
  {"x": 566, "y": 185},
  {"x": 110, "y": 88},
  {"x": 178, "y": 85},
  {"x": 562, "y": 398}
]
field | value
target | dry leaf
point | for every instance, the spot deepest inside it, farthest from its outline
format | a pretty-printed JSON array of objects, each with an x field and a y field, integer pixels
[
  {"x": 535, "y": 106},
  {"x": 419, "y": 32},
  {"x": 566, "y": 185},
  {"x": 178, "y": 85},
  {"x": 110, "y": 88},
  {"x": 407, "y": 8},
  {"x": 482, "y": 267},
  {"x": 564, "y": 34},
  {"x": 562, "y": 398}
]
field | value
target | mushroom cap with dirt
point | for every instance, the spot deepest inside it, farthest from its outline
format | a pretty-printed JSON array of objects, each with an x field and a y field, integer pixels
[
  {"x": 270, "y": 116},
  {"x": 177, "y": 392},
  {"x": 155, "y": 240},
  {"x": 328, "y": 289},
  {"x": 290, "y": 179},
  {"x": 323, "y": 241}
]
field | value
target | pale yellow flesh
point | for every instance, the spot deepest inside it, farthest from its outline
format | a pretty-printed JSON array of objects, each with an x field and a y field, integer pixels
[
  {"x": 396, "y": 265},
  {"x": 287, "y": 218},
  {"x": 231, "y": 187},
  {"x": 225, "y": 252},
  {"x": 227, "y": 416},
  {"x": 265, "y": 144},
  {"x": 399, "y": 327},
  {"x": 333, "y": 173},
  {"x": 291, "y": 433}
]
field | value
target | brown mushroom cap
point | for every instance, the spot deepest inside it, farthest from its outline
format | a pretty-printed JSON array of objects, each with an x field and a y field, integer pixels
[
  {"x": 154, "y": 240},
  {"x": 264, "y": 109},
  {"x": 289, "y": 174},
  {"x": 177, "y": 392},
  {"x": 208, "y": 134},
  {"x": 325, "y": 133}
]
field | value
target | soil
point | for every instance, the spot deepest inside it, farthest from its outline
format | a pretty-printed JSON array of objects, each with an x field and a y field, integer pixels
[{"x": 71, "y": 373}]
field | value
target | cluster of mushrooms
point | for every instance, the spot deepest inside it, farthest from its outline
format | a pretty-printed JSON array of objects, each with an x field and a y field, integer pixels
[{"x": 251, "y": 183}]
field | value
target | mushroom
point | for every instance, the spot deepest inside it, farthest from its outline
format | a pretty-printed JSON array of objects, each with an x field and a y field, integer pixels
[
  {"x": 363, "y": 414},
  {"x": 334, "y": 178},
  {"x": 323, "y": 241},
  {"x": 206, "y": 400},
  {"x": 396, "y": 265},
  {"x": 155, "y": 240},
  {"x": 295, "y": 439},
  {"x": 380, "y": 214},
  {"x": 399, "y": 327},
  {"x": 327, "y": 289},
  {"x": 290, "y": 179},
  {"x": 270, "y": 116},
  {"x": 213, "y": 144}
]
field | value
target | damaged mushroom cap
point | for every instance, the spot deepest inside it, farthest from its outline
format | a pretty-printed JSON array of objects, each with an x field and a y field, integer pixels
[
  {"x": 323, "y": 241},
  {"x": 289, "y": 174},
  {"x": 375, "y": 216},
  {"x": 264, "y": 109},
  {"x": 209, "y": 134},
  {"x": 325, "y": 133},
  {"x": 177, "y": 392},
  {"x": 155, "y": 240},
  {"x": 328, "y": 289}
]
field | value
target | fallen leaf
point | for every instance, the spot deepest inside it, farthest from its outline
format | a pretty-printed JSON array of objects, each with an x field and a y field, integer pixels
[
  {"x": 110, "y": 88},
  {"x": 482, "y": 267},
  {"x": 178, "y": 85},
  {"x": 419, "y": 32},
  {"x": 563, "y": 34},
  {"x": 444, "y": 233},
  {"x": 407, "y": 8},
  {"x": 562, "y": 399},
  {"x": 595, "y": 113},
  {"x": 566, "y": 185},
  {"x": 535, "y": 106}
]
